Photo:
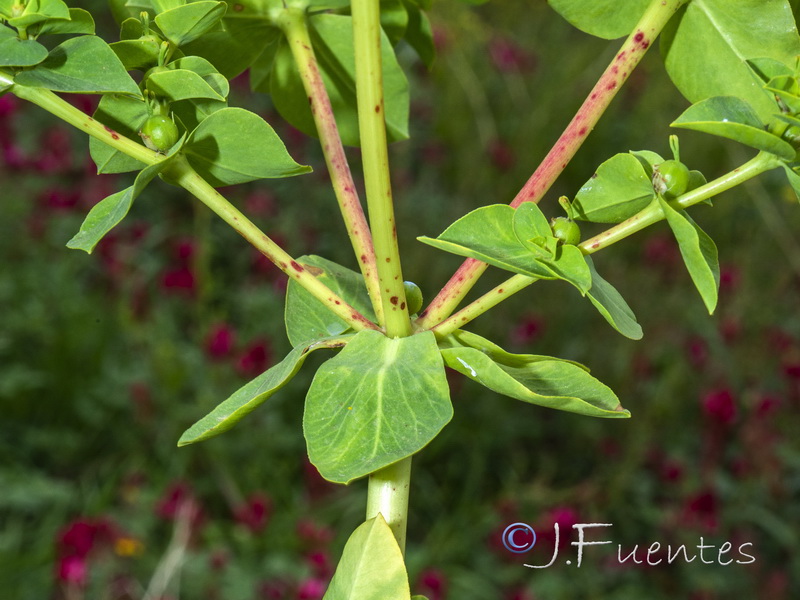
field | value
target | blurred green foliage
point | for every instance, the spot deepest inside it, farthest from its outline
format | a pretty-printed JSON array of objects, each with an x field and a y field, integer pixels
[{"x": 105, "y": 360}]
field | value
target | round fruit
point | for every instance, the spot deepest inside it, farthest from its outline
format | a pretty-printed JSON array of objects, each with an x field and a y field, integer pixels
[
  {"x": 413, "y": 297},
  {"x": 159, "y": 133},
  {"x": 670, "y": 178},
  {"x": 566, "y": 230}
]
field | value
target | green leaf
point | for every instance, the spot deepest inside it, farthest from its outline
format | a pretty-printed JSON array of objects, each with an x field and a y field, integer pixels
[
  {"x": 186, "y": 23},
  {"x": 309, "y": 319},
  {"x": 733, "y": 118},
  {"x": 234, "y": 145},
  {"x": 394, "y": 19},
  {"x": 610, "y": 303},
  {"x": 83, "y": 65},
  {"x": 487, "y": 234},
  {"x": 767, "y": 69},
  {"x": 546, "y": 381},
  {"x": 124, "y": 115},
  {"x": 794, "y": 180},
  {"x": 254, "y": 393},
  {"x": 532, "y": 229},
  {"x": 607, "y": 19},
  {"x": 15, "y": 52},
  {"x": 570, "y": 266},
  {"x": 706, "y": 47},
  {"x": 107, "y": 213},
  {"x": 618, "y": 190},
  {"x": 39, "y": 11},
  {"x": 332, "y": 38},
  {"x": 419, "y": 33},
  {"x": 245, "y": 31},
  {"x": 372, "y": 566},
  {"x": 181, "y": 84},
  {"x": 698, "y": 251},
  {"x": 379, "y": 401},
  {"x": 80, "y": 22},
  {"x": 137, "y": 54},
  {"x": 648, "y": 160}
]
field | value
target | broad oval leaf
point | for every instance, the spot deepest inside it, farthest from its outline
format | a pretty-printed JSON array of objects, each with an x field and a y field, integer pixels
[
  {"x": 83, "y": 65},
  {"x": 15, "y": 52},
  {"x": 419, "y": 33},
  {"x": 546, "y": 381},
  {"x": 618, "y": 190},
  {"x": 124, "y": 115},
  {"x": 698, "y": 251},
  {"x": 309, "y": 319},
  {"x": 253, "y": 394},
  {"x": 610, "y": 303},
  {"x": 378, "y": 401},
  {"x": 181, "y": 84},
  {"x": 222, "y": 154},
  {"x": 706, "y": 46},
  {"x": 107, "y": 213},
  {"x": 186, "y": 23},
  {"x": 487, "y": 234},
  {"x": 80, "y": 22},
  {"x": 371, "y": 567},
  {"x": 733, "y": 118},
  {"x": 137, "y": 54},
  {"x": 39, "y": 11},
  {"x": 607, "y": 19}
]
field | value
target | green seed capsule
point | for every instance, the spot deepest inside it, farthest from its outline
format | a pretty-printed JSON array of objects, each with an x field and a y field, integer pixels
[
  {"x": 566, "y": 230},
  {"x": 413, "y": 297},
  {"x": 159, "y": 133},
  {"x": 670, "y": 178}
]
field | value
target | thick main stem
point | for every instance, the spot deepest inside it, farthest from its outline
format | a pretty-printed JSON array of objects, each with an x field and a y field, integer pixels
[
  {"x": 389, "y": 487},
  {"x": 375, "y": 153},
  {"x": 294, "y": 25},
  {"x": 181, "y": 172},
  {"x": 598, "y": 100},
  {"x": 652, "y": 214}
]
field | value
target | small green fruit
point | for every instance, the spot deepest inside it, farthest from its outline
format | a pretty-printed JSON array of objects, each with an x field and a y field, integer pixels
[
  {"x": 566, "y": 230},
  {"x": 159, "y": 133},
  {"x": 670, "y": 178},
  {"x": 413, "y": 297}
]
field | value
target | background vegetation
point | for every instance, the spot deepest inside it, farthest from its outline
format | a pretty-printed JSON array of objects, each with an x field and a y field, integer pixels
[{"x": 105, "y": 360}]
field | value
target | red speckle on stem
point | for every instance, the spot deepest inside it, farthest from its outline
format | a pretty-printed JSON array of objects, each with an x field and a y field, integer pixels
[
  {"x": 363, "y": 258},
  {"x": 638, "y": 37},
  {"x": 113, "y": 133},
  {"x": 388, "y": 259},
  {"x": 611, "y": 85},
  {"x": 297, "y": 267},
  {"x": 596, "y": 245},
  {"x": 500, "y": 291},
  {"x": 393, "y": 300},
  {"x": 621, "y": 55},
  {"x": 615, "y": 69},
  {"x": 593, "y": 96},
  {"x": 402, "y": 306},
  {"x": 583, "y": 131},
  {"x": 336, "y": 302},
  {"x": 377, "y": 108}
]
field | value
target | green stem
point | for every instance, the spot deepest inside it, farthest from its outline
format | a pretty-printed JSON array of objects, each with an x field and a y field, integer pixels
[
  {"x": 387, "y": 494},
  {"x": 388, "y": 488},
  {"x": 293, "y": 23},
  {"x": 375, "y": 153},
  {"x": 186, "y": 177},
  {"x": 562, "y": 152},
  {"x": 652, "y": 214}
]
